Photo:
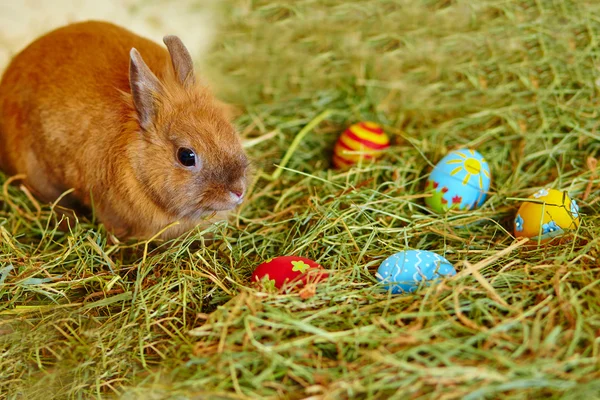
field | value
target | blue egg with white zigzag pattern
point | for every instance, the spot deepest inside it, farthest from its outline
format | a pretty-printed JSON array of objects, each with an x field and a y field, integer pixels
[{"x": 404, "y": 271}]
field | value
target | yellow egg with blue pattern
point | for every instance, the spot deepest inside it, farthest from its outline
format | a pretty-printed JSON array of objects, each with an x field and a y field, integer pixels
[
  {"x": 460, "y": 181},
  {"x": 548, "y": 214}
]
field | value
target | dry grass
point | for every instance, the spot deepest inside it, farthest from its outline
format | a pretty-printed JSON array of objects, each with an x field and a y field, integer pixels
[{"x": 81, "y": 318}]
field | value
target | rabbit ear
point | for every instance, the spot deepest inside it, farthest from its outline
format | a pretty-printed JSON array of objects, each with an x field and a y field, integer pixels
[
  {"x": 145, "y": 87},
  {"x": 181, "y": 59}
]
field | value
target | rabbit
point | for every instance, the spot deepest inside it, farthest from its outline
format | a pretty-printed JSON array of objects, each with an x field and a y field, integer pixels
[{"x": 126, "y": 125}]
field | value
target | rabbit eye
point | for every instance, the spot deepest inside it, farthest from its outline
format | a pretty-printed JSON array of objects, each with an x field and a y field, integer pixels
[{"x": 186, "y": 157}]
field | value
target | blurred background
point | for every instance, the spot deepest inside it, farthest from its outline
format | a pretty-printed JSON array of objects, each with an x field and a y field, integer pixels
[
  {"x": 513, "y": 78},
  {"x": 24, "y": 20}
]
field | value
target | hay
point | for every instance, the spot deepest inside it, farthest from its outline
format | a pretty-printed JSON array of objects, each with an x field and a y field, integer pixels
[{"x": 83, "y": 318}]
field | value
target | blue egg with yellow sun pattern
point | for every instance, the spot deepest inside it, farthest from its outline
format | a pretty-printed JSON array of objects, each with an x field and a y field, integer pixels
[
  {"x": 459, "y": 181},
  {"x": 404, "y": 271}
]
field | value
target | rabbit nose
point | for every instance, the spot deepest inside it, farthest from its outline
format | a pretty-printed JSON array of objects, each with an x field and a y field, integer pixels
[{"x": 237, "y": 193}]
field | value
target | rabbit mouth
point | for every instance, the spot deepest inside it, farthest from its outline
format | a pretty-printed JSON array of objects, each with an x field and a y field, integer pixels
[
  {"x": 202, "y": 208},
  {"x": 224, "y": 205},
  {"x": 227, "y": 201},
  {"x": 208, "y": 203}
]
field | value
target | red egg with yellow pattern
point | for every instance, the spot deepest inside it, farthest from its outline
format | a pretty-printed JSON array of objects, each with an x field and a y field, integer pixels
[
  {"x": 362, "y": 141},
  {"x": 285, "y": 270}
]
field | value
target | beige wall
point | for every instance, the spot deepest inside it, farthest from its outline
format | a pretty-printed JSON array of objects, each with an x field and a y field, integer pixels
[{"x": 21, "y": 21}]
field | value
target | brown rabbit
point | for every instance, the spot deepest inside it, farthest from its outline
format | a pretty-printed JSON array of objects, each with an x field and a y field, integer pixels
[{"x": 139, "y": 139}]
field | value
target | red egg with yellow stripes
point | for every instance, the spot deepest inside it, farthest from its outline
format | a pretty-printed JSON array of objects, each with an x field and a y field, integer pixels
[{"x": 362, "y": 141}]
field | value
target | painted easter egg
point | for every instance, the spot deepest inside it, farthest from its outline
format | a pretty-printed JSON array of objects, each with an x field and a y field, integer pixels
[
  {"x": 365, "y": 140},
  {"x": 280, "y": 271},
  {"x": 404, "y": 271},
  {"x": 459, "y": 181},
  {"x": 549, "y": 214}
]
